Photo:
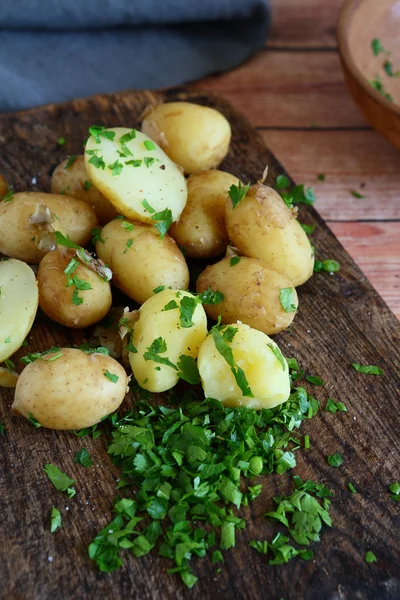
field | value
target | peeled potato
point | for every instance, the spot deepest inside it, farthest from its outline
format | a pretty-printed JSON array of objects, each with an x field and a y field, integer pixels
[
  {"x": 74, "y": 181},
  {"x": 262, "y": 226},
  {"x": 201, "y": 229},
  {"x": 140, "y": 184},
  {"x": 257, "y": 355},
  {"x": 18, "y": 235},
  {"x": 66, "y": 304},
  {"x": 70, "y": 389},
  {"x": 18, "y": 305},
  {"x": 157, "y": 324},
  {"x": 140, "y": 260},
  {"x": 252, "y": 294},
  {"x": 195, "y": 137}
]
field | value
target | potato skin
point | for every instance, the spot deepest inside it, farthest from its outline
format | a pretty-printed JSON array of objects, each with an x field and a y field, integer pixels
[
  {"x": 201, "y": 229},
  {"x": 251, "y": 289},
  {"x": 148, "y": 263},
  {"x": 72, "y": 180},
  {"x": 3, "y": 186},
  {"x": 55, "y": 299},
  {"x": 73, "y": 217},
  {"x": 153, "y": 323},
  {"x": 195, "y": 137},
  {"x": 70, "y": 392},
  {"x": 268, "y": 381},
  {"x": 263, "y": 227}
]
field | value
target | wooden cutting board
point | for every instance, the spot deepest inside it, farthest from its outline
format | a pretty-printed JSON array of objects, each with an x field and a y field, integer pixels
[{"x": 341, "y": 320}]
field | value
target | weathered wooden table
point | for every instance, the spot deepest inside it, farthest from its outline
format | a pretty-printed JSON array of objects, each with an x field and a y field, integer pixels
[{"x": 295, "y": 94}]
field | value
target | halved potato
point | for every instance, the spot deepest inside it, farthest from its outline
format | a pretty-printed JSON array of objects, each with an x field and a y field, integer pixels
[{"x": 19, "y": 298}]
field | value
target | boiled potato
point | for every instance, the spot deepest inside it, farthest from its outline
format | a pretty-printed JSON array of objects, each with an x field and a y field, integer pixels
[
  {"x": 74, "y": 181},
  {"x": 135, "y": 175},
  {"x": 159, "y": 334},
  {"x": 18, "y": 305},
  {"x": 252, "y": 292},
  {"x": 262, "y": 226},
  {"x": 201, "y": 227},
  {"x": 70, "y": 389},
  {"x": 18, "y": 235},
  {"x": 140, "y": 259},
  {"x": 262, "y": 362},
  {"x": 63, "y": 301},
  {"x": 8, "y": 379},
  {"x": 195, "y": 137}
]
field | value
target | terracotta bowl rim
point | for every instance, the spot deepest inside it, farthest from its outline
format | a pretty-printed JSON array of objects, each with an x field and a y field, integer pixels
[{"x": 345, "y": 14}]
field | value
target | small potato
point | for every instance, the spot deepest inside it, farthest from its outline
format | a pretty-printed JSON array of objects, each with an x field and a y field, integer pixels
[
  {"x": 70, "y": 389},
  {"x": 252, "y": 294},
  {"x": 18, "y": 305},
  {"x": 140, "y": 260},
  {"x": 263, "y": 227},
  {"x": 17, "y": 235},
  {"x": 195, "y": 137},
  {"x": 159, "y": 334},
  {"x": 263, "y": 364},
  {"x": 201, "y": 227},
  {"x": 135, "y": 175},
  {"x": 62, "y": 300},
  {"x": 75, "y": 182}
]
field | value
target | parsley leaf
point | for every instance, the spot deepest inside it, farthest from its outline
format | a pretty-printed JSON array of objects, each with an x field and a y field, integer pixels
[
  {"x": 352, "y": 488},
  {"x": 147, "y": 206},
  {"x": 187, "y": 307},
  {"x": 286, "y": 298},
  {"x": 129, "y": 244},
  {"x": 149, "y": 145},
  {"x": 234, "y": 260},
  {"x": 302, "y": 195},
  {"x": 61, "y": 141},
  {"x": 111, "y": 376},
  {"x": 334, "y": 460},
  {"x": 278, "y": 354},
  {"x": 99, "y": 130},
  {"x": 55, "y": 520},
  {"x": 60, "y": 480},
  {"x": 321, "y": 177},
  {"x": 70, "y": 161},
  {"x": 96, "y": 236},
  {"x": 134, "y": 163},
  {"x": 83, "y": 457},
  {"x": 309, "y": 229},
  {"x": 237, "y": 193},
  {"x": 368, "y": 369},
  {"x": 226, "y": 352},
  {"x": 33, "y": 421},
  {"x": 65, "y": 241},
  {"x": 211, "y": 297},
  {"x": 315, "y": 380},
  {"x": 377, "y": 47},
  {"x": 282, "y": 182},
  {"x": 356, "y": 194},
  {"x": 164, "y": 220},
  {"x": 87, "y": 185},
  {"x": 188, "y": 369},
  {"x": 370, "y": 557},
  {"x": 170, "y": 305},
  {"x": 333, "y": 407},
  {"x": 76, "y": 299},
  {"x": 157, "y": 347},
  {"x": 116, "y": 168},
  {"x": 97, "y": 161}
]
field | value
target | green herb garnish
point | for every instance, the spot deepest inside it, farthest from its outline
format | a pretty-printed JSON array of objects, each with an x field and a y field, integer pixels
[
  {"x": 70, "y": 161},
  {"x": 60, "y": 480},
  {"x": 234, "y": 260},
  {"x": 83, "y": 458},
  {"x": 286, "y": 298},
  {"x": 356, "y": 194},
  {"x": 55, "y": 520},
  {"x": 111, "y": 376},
  {"x": 333, "y": 407},
  {"x": 87, "y": 185},
  {"x": 129, "y": 244},
  {"x": 61, "y": 141},
  {"x": 226, "y": 352},
  {"x": 149, "y": 145},
  {"x": 237, "y": 193},
  {"x": 352, "y": 488},
  {"x": 370, "y": 557},
  {"x": 157, "y": 347},
  {"x": 282, "y": 182},
  {"x": 116, "y": 168},
  {"x": 97, "y": 161},
  {"x": 334, "y": 460},
  {"x": 368, "y": 369}
]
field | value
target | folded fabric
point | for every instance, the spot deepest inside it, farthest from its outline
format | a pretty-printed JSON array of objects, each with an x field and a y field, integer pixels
[{"x": 55, "y": 50}]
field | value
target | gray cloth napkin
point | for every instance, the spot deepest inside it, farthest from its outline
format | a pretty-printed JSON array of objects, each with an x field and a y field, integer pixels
[{"x": 55, "y": 50}]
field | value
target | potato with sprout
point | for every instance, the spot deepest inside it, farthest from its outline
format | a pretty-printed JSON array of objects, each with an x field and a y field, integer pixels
[
  {"x": 29, "y": 218},
  {"x": 170, "y": 328},
  {"x": 18, "y": 305},
  {"x": 241, "y": 366},
  {"x": 71, "y": 177},
  {"x": 261, "y": 226},
  {"x": 195, "y": 137},
  {"x": 135, "y": 175},
  {"x": 254, "y": 293},
  {"x": 201, "y": 229},
  {"x": 140, "y": 259},
  {"x": 72, "y": 292},
  {"x": 70, "y": 389}
]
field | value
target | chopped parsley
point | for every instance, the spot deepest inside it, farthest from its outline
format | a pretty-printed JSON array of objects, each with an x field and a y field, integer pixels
[
  {"x": 8, "y": 197},
  {"x": 126, "y": 225},
  {"x": 65, "y": 241},
  {"x": 187, "y": 306},
  {"x": 315, "y": 380},
  {"x": 211, "y": 297},
  {"x": 134, "y": 163},
  {"x": 97, "y": 161},
  {"x": 129, "y": 244},
  {"x": 33, "y": 421},
  {"x": 87, "y": 185},
  {"x": 309, "y": 229},
  {"x": 282, "y": 182},
  {"x": 328, "y": 265},
  {"x": 60, "y": 480},
  {"x": 98, "y": 131},
  {"x": 368, "y": 369},
  {"x": 116, "y": 168},
  {"x": 96, "y": 235},
  {"x": 188, "y": 369},
  {"x": 157, "y": 347},
  {"x": 227, "y": 353},
  {"x": 148, "y": 161},
  {"x": 149, "y": 145},
  {"x": 10, "y": 365},
  {"x": 237, "y": 193},
  {"x": 278, "y": 354},
  {"x": 370, "y": 557},
  {"x": 83, "y": 458},
  {"x": 164, "y": 220},
  {"x": 394, "y": 488},
  {"x": 377, "y": 47},
  {"x": 70, "y": 161},
  {"x": 55, "y": 520},
  {"x": 321, "y": 177},
  {"x": 127, "y": 137},
  {"x": 334, "y": 460},
  {"x": 7, "y": 340},
  {"x": 234, "y": 260},
  {"x": 352, "y": 488},
  {"x": 147, "y": 207},
  {"x": 61, "y": 141},
  {"x": 286, "y": 298},
  {"x": 159, "y": 289},
  {"x": 76, "y": 298},
  {"x": 170, "y": 305},
  {"x": 356, "y": 194},
  {"x": 111, "y": 376},
  {"x": 333, "y": 407}
]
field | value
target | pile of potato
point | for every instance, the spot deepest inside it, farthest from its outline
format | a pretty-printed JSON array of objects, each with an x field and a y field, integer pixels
[{"x": 130, "y": 193}]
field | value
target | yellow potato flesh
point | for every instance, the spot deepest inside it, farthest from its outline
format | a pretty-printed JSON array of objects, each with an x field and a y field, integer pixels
[
  {"x": 268, "y": 381},
  {"x": 160, "y": 184},
  {"x": 154, "y": 323},
  {"x": 18, "y": 305},
  {"x": 71, "y": 391},
  {"x": 195, "y": 137}
]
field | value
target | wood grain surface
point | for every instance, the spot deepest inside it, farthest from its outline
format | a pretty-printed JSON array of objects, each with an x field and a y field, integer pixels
[
  {"x": 294, "y": 92},
  {"x": 341, "y": 320}
]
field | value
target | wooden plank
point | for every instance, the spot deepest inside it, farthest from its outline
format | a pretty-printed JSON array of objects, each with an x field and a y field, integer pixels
[
  {"x": 289, "y": 89},
  {"x": 341, "y": 319},
  {"x": 304, "y": 23},
  {"x": 375, "y": 247},
  {"x": 350, "y": 160}
]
